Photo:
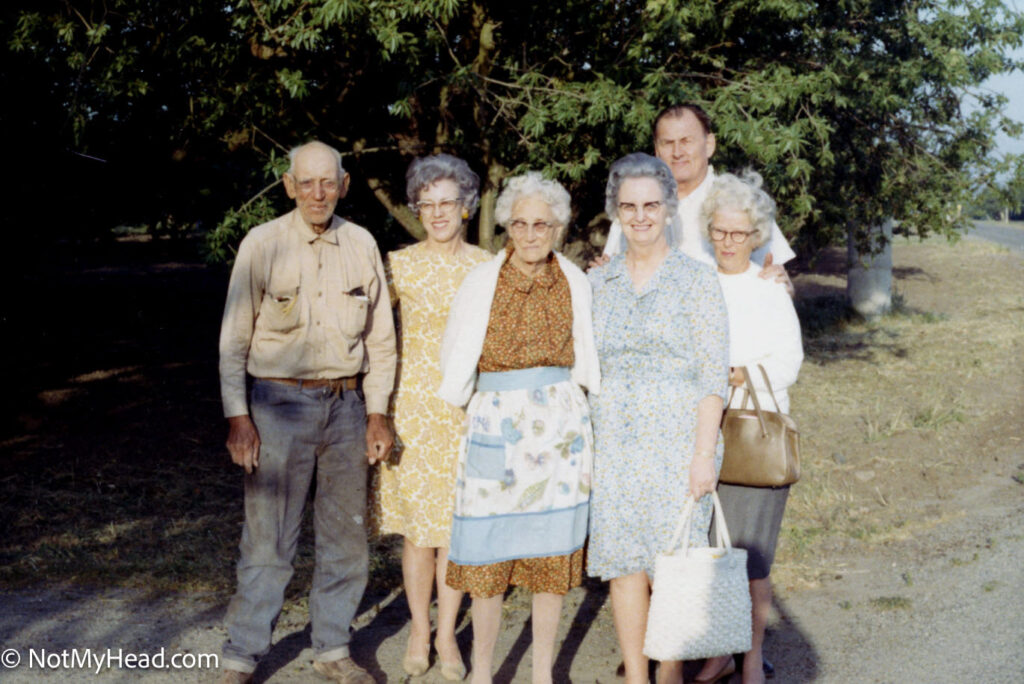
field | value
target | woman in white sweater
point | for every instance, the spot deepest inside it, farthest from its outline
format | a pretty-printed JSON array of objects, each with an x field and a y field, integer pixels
[{"x": 763, "y": 330}]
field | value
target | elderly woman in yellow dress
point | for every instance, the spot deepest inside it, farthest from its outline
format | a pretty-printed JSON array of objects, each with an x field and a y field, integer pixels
[
  {"x": 416, "y": 490},
  {"x": 518, "y": 348},
  {"x": 763, "y": 331}
]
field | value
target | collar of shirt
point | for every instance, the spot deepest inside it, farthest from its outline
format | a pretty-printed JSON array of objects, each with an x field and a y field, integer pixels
[
  {"x": 523, "y": 282},
  {"x": 696, "y": 198},
  {"x": 308, "y": 235},
  {"x": 667, "y": 274},
  {"x": 687, "y": 227}
]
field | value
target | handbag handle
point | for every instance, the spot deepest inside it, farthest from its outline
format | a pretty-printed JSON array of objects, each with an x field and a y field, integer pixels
[
  {"x": 748, "y": 385},
  {"x": 682, "y": 531}
]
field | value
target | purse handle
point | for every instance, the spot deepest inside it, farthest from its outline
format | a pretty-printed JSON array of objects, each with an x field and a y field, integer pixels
[
  {"x": 682, "y": 531},
  {"x": 750, "y": 388},
  {"x": 748, "y": 385}
]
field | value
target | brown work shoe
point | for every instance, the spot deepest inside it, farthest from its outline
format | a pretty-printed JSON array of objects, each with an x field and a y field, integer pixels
[
  {"x": 343, "y": 671},
  {"x": 235, "y": 677}
]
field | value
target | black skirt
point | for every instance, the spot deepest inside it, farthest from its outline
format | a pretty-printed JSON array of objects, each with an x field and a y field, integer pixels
[{"x": 753, "y": 516}]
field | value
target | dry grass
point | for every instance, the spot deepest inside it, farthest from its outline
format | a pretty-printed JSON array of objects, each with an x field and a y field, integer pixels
[{"x": 893, "y": 412}]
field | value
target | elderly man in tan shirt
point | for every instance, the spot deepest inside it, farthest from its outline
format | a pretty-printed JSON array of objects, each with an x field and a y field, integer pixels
[{"x": 308, "y": 317}]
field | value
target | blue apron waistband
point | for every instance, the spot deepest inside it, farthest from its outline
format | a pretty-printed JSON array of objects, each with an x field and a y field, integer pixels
[{"x": 523, "y": 379}]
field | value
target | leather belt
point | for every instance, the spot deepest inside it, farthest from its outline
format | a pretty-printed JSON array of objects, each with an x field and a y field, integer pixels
[{"x": 335, "y": 384}]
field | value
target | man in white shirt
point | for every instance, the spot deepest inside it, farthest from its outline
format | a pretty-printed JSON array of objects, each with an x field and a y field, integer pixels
[{"x": 683, "y": 139}]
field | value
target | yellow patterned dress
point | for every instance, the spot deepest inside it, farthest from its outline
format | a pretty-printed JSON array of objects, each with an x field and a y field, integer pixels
[{"x": 414, "y": 492}]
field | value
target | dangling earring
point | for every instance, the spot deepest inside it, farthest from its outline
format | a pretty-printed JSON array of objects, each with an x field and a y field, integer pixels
[{"x": 465, "y": 213}]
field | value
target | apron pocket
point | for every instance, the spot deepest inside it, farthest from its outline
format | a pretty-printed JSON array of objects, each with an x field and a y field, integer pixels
[{"x": 485, "y": 457}]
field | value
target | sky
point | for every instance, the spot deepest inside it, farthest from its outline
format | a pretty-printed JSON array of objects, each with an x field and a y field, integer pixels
[{"x": 1012, "y": 86}]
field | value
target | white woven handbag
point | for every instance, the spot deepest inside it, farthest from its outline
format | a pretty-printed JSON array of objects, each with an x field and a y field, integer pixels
[{"x": 700, "y": 605}]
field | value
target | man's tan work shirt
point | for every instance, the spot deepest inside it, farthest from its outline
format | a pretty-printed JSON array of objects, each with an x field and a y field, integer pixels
[{"x": 307, "y": 306}]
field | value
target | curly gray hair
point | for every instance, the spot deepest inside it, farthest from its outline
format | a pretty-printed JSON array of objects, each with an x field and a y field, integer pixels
[
  {"x": 532, "y": 184},
  {"x": 730, "y": 192},
  {"x": 425, "y": 171},
  {"x": 640, "y": 165}
]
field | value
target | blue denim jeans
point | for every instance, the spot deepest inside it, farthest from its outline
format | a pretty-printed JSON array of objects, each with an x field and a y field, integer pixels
[{"x": 301, "y": 431}]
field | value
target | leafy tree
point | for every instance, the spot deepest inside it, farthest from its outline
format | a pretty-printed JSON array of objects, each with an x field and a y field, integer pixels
[
  {"x": 854, "y": 109},
  {"x": 1000, "y": 199}
]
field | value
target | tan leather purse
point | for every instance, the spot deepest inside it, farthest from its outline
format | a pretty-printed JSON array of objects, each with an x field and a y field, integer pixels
[{"x": 762, "y": 448}]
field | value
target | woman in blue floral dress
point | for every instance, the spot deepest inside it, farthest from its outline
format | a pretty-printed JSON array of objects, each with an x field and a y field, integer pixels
[{"x": 661, "y": 331}]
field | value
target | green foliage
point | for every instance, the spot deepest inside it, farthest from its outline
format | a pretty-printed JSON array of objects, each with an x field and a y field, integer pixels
[
  {"x": 854, "y": 110},
  {"x": 220, "y": 244},
  {"x": 1001, "y": 197}
]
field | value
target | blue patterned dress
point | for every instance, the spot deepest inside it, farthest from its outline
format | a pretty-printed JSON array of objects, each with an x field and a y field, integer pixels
[{"x": 661, "y": 352}]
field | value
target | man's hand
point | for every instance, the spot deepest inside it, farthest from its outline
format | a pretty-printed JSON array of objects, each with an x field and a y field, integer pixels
[
  {"x": 599, "y": 260},
  {"x": 776, "y": 272},
  {"x": 379, "y": 439},
  {"x": 244, "y": 443}
]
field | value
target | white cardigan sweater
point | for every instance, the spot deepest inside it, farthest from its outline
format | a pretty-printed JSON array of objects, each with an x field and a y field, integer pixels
[{"x": 463, "y": 340}]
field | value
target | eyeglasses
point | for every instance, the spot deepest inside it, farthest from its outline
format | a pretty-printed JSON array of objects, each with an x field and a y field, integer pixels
[
  {"x": 540, "y": 228},
  {"x": 443, "y": 207},
  {"x": 629, "y": 211},
  {"x": 308, "y": 185},
  {"x": 738, "y": 236}
]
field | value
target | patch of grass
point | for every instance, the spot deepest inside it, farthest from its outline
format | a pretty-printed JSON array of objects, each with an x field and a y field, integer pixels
[
  {"x": 989, "y": 586},
  {"x": 929, "y": 317},
  {"x": 958, "y": 562},
  {"x": 907, "y": 579},
  {"x": 891, "y": 603},
  {"x": 864, "y": 532},
  {"x": 845, "y": 605},
  {"x": 879, "y": 426},
  {"x": 937, "y": 417},
  {"x": 821, "y": 315},
  {"x": 901, "y": 310},
  {"x": 801, "y": 539}
]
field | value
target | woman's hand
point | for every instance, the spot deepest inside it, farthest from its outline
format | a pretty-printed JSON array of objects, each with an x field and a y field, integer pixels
[
  {"x": 735, "y": 376},
  {"x": 702, "y": 475}
]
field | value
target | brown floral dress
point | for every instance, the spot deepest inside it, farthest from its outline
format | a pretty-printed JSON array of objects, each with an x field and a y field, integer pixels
[{"x": 530, "y": 326}]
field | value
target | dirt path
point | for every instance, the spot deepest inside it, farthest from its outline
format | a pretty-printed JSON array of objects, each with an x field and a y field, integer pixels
[{"x": 944, "y": 606}]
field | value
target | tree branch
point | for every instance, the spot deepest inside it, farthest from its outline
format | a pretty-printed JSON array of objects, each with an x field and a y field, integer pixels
[{"x": 403, "y": 214}]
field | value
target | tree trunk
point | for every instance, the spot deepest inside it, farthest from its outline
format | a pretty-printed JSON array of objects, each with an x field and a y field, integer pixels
[
  {"x": 488, "y": 198},
  {"x": 483, "y": 28},
  {"x": 869, "y": 278}
]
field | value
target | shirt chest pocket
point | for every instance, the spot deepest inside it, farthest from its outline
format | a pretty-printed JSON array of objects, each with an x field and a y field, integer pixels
[
  {"x": 281, "y": 309},
  {"x": 352, "y": 312}
]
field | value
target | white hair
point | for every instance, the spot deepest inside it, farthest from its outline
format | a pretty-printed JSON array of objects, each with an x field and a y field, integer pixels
[
  {"x": 743, "y": 193},
  {"x": 532, "y": 184}
]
